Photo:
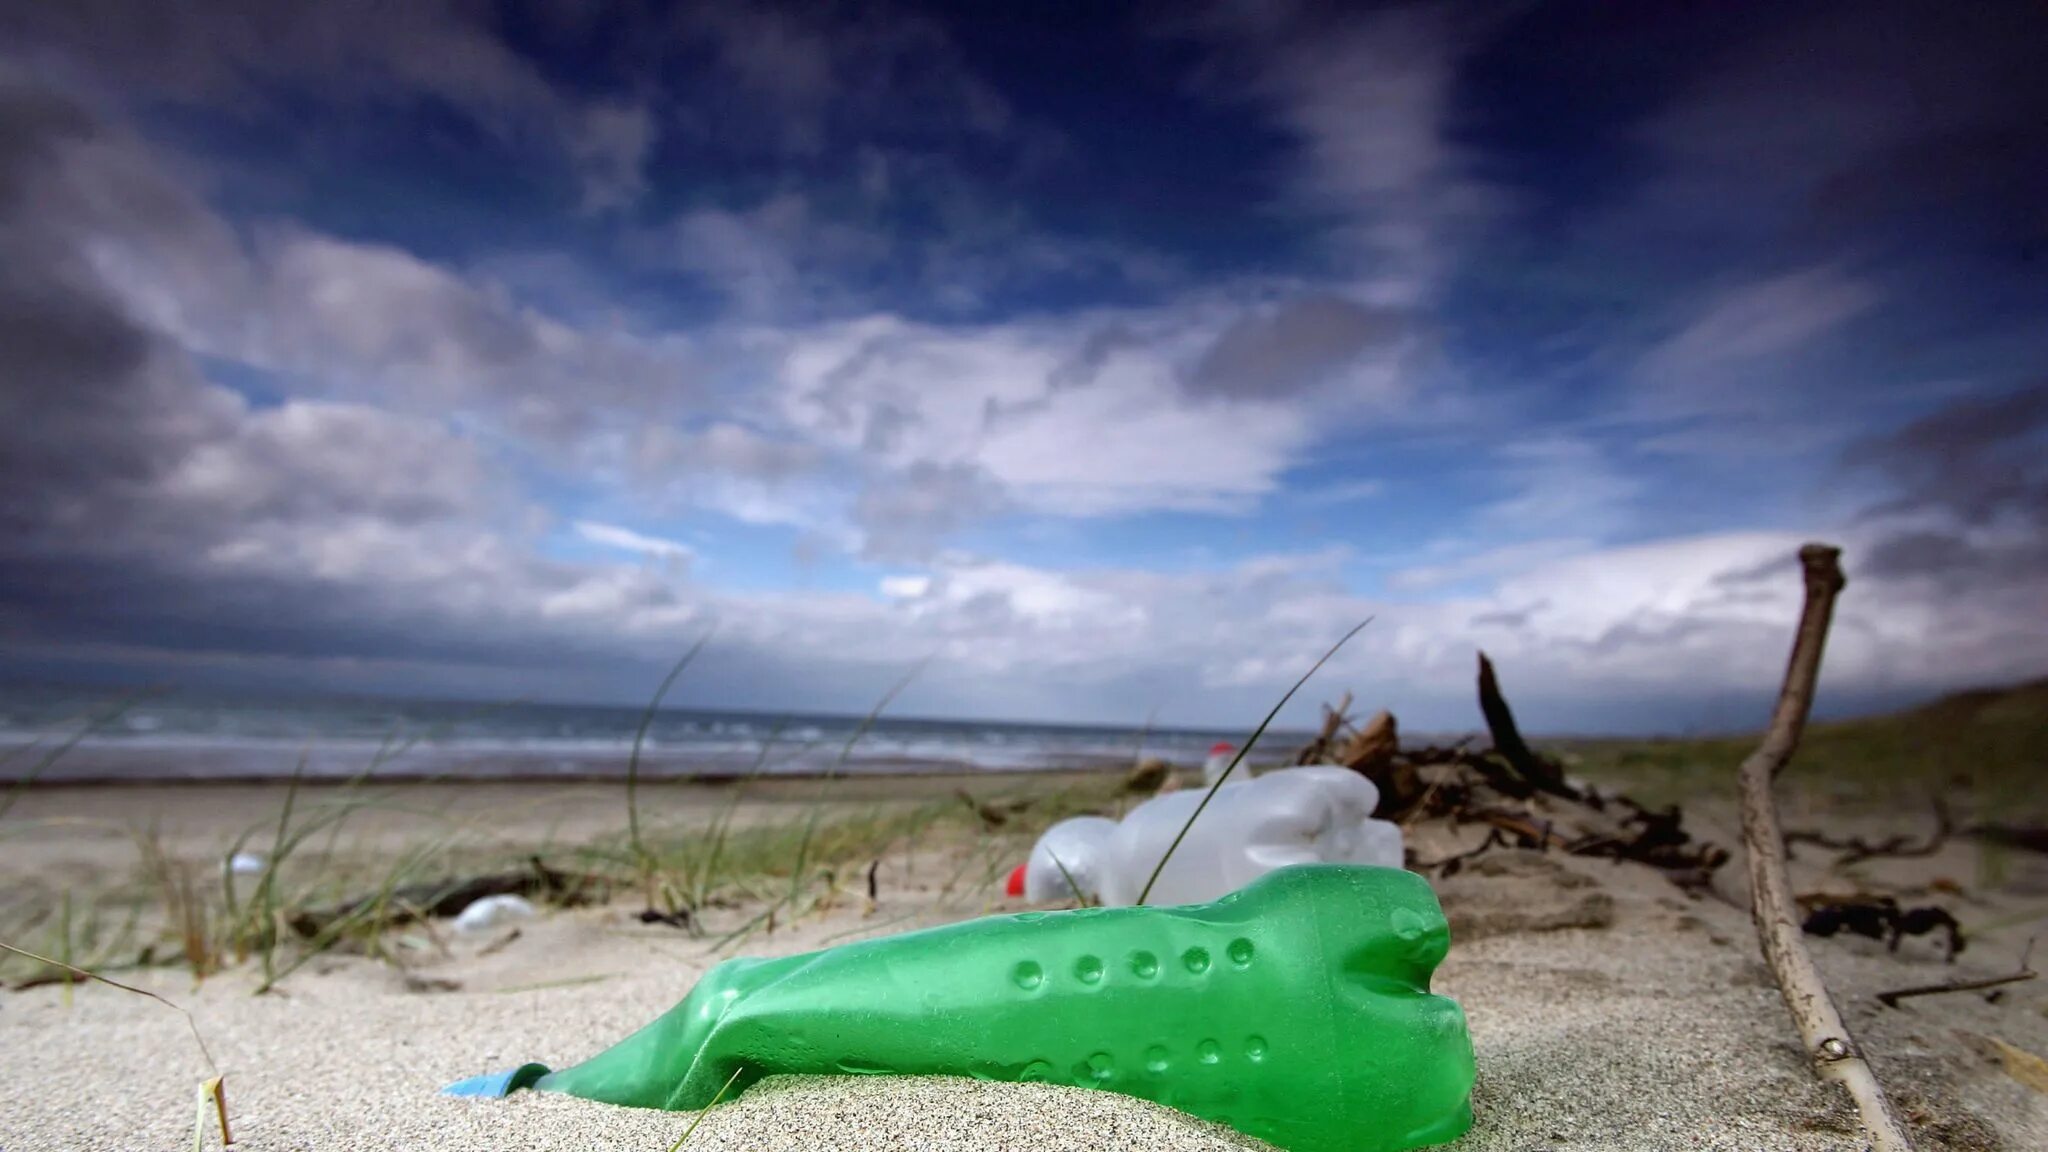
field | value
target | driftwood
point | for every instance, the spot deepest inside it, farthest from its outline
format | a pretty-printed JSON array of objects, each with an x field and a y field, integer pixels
[
  {"x": 2029, "y": 838},
  {"x": 1147, "y": 777},
  {"x": 448, "y": 898},
  {"x": 1540, "y": 771},
  {"x": 1522, "y": 796},
  {"x": 1856, "y": 848},
  {"x": 2023, "y": 973},
  {"x": 1830, "y": 1047}
]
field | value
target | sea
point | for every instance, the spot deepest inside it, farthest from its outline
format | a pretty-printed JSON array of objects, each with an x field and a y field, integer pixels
[{"x": 56, "y": 735}]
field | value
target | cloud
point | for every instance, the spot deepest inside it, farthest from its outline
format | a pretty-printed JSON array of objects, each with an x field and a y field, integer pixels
[
  {"x": 735, "y": 471},
  {"x": 904, "y": 587},
  {"x": 906, "y": 516},
  {"x": 825, "y": 75},
  {"x": 611, "y": 154},
  {"x": 248, "y": 441},
  {"x": 1765, "y": 318},
  {"x": 1288, "y": 350},
  {"x": 1855, "y": 120},
  {"x": 1370, "y": 100},
  {"x": 241, "y": 55},
  {"x": 998, "y": 397},
  {"x": 625, "y": 539},
  {"x": 776, "y": 258},
  {"x": 1753, "y": 328},
  {"x": 1964, "y": 512},
  {"x": 368, "y": 320}
]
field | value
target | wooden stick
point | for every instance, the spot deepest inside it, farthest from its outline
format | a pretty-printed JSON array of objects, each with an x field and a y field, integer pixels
[
  {"x": 2023, "y": 973},
  {"x": 1829, "y": 1046}
]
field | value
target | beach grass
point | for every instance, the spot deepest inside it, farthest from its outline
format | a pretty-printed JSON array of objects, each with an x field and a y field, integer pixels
[
  {"x": 717, "y": 875},
  {"x": 1991, "y": 745}
]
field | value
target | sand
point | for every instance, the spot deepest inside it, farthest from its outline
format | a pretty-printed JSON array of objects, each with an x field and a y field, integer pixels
[{"x": 1608, "y": 1012}]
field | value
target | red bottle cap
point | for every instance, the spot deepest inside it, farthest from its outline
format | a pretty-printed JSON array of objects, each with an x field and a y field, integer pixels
[
  {"x": 1222, "y": 748},
  {"x": 1017, "y": 881}
]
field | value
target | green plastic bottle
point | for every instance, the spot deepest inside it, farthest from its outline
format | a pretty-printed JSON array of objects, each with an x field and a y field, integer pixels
[{"x": 1297, "y": 1010}]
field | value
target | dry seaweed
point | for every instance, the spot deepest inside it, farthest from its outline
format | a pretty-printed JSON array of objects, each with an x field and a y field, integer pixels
[
  {"x": 446, "y": 898},
  {"x": 1879, "y": 918},
  {"x": 1522, "y": 796},
  {"x": 1856, "y": 848}
]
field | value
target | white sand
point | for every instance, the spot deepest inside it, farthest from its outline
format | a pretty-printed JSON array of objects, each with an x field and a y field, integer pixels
[{"x": 1659, "y": 1030}]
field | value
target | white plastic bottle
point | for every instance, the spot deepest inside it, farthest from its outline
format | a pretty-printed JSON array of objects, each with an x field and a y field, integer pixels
[
  {"x": 1220, "y": 755},
  {"x": 1320, "y": 813},
  {"x": 1069, "y": 849}
]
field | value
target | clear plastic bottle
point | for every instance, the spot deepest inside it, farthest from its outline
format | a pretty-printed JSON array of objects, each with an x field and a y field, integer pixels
[{"x": 1317, "y": 814}]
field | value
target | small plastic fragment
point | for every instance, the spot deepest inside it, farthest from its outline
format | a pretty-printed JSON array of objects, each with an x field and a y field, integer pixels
[{"x": 491, "y": 911}]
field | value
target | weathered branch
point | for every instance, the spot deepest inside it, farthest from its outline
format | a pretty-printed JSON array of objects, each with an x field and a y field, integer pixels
[
  {"x": 1855, "y": 849},
  {"x": 1507, "y": 738},
  {"x": 1829, "y": 1046},
  {"x": 446, "y": 898},
  {"x": 2023, "y": 973}
]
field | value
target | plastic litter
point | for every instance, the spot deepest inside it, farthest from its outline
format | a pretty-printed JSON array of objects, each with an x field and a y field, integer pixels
[
  {"x": 246, "y": 864},
  {"x": 1297, "y": 1010},
  {"x": 1073, "y": 845},
  {"x": 1220, "y": 755},
  {"x": 491, "y": 911},
  {"x": 1320, "y": 813}
]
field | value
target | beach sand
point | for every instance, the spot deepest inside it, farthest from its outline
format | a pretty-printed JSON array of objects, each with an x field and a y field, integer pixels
[{"x": 1608, "y": 1011}]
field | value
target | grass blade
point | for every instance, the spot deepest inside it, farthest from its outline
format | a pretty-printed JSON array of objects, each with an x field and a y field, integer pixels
[
  {"x": 803, "y": 848},
  {"x": 1242, "y": 753},
  {"x": 706, "y": 1110},
  {"x": 213, "y": 1092},
  {"x": 113, "y": 713},
  {"x": 189, "y": 1021},
  {"x": 633, "y": 761}
]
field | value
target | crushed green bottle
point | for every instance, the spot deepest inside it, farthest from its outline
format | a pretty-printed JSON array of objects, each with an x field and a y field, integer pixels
[{"x": 1297, "y": 1010}]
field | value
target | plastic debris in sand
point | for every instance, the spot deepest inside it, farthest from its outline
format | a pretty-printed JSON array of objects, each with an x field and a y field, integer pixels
[
  {"x": 1320, "y": 814},
  {"x": 1297, "y": 1010},
  {"x": 492, "y": 911}
]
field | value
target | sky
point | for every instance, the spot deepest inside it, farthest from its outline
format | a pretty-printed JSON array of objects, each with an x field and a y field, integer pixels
[{"x": 1097, "y": 361}]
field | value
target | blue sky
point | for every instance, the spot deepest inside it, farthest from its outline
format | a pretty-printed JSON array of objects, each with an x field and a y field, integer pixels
[{"x": 1110, "y": 357}]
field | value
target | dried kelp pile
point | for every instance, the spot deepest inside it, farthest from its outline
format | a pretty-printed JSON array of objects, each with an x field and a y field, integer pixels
[
  {"x": 1522, "y": 797},
  {"x": 1524, "y": 800}
]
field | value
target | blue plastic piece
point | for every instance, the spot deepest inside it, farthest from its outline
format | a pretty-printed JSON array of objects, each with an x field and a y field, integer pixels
[{"x": 497, "y": 1084}]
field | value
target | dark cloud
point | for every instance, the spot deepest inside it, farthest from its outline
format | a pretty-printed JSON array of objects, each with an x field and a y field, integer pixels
[
  {"x": 1771, "y": 571},
  {"x": 145, "y": 506},
  {"x": 93, "y": 408},
  {"x": 905, "y": 515},
  {"x": 1970, "y": 494},
  {"x": 1975, "y": 459},
  {"x": 1293, "y": 348},
  {"x": 1081, "y": 369}
]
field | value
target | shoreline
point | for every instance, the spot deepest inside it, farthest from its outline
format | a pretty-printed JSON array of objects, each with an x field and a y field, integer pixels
[{"x": 103, "y": 766}]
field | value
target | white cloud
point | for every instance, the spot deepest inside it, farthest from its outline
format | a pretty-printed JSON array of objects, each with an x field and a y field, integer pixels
[
  {"x": 1758, "y": 320},
  {"x": 625, "y": 539},
  {"x": 904, "y": 394},
  {"x": 1369, "y": 99},
  {"x": 905, "y": 587}
]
